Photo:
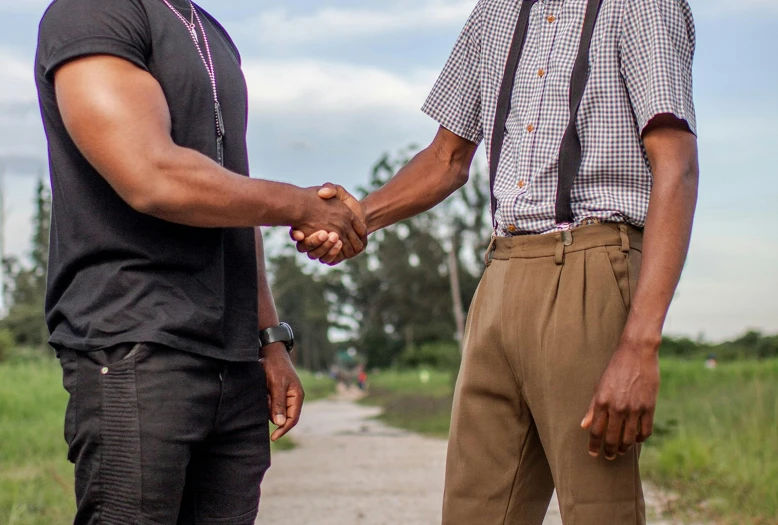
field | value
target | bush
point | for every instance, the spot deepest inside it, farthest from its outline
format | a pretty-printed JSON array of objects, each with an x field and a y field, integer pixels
[
  {"x": 438, "y": 355},
  {"x": 7, "y": 344}
]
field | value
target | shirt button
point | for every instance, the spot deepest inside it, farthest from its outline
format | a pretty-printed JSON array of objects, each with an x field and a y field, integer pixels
[
  {"x": 512, "y": 228},
  {"x": 531, "y": 128},
  {"x": 522, "y": 184},
  {"x": 551, "y": 19},
  {"x": 104, "y": 370},
  {"x": 541, "y": 73}
]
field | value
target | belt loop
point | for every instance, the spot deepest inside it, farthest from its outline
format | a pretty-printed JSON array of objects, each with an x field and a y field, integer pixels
[
  {"x": 563, "y": 239},
  {"x": 624, "y": 238},
  {"x": 490, "y": 250}
]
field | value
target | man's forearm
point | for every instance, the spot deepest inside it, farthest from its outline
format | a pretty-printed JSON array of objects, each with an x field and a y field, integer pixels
[
  {"x": 189, "y": 188},
  {"x": 426, "y": 181},
  {"x": 666, "y": 238}
]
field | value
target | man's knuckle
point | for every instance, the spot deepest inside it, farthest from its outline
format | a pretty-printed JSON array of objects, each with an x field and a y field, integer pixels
[{"x": 621, "y": 410}]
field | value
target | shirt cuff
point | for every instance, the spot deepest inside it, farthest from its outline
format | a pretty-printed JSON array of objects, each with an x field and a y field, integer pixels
[
  {"x": 661, "y": 108},
  {"x": 453, "y": 124}
]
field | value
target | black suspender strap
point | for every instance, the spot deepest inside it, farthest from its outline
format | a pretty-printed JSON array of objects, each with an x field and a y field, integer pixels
[
  {"x": 504, "y": 98},
  {"x": 570, "y": 151}
]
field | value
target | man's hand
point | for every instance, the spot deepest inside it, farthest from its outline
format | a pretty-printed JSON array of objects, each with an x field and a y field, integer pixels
[
  {"x": 325, "y": 246},
  {"x": 329, "y": 221},
  {"x": 285, "y": 391},
  {"x": 622, "y": 410}
]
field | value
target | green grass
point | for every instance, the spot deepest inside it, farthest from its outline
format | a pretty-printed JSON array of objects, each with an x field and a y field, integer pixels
[
  {"x": 410, "y": 403},
  {"x": 716, "y": 439},
  {"x": 316, "y": 386},
  {"x": 717, "y": 445},
  {"x": 36, "y": 480}
]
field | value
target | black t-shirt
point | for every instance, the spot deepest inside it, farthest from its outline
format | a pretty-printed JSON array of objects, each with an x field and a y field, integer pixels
[{"x": 116, "y": 275}]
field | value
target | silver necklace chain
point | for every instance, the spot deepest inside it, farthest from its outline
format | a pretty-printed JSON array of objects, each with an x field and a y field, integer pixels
[{"x": 208, "y": 63}]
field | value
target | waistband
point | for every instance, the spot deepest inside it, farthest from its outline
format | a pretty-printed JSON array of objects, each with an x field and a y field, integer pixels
[{"x": 561, "y": 242}]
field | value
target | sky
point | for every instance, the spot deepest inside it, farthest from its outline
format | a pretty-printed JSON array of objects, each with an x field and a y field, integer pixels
[{"x": 336, "y": 83}]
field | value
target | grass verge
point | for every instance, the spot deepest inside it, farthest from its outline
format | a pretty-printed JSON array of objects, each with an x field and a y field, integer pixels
[
  {"x": 715, "y": 445},
  {"x": 36, "y": 480},
  {"x": 418, "y": 400}
]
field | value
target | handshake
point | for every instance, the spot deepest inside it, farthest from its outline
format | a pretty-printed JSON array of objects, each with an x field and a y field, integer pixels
[{"x": 333, "y": 227}]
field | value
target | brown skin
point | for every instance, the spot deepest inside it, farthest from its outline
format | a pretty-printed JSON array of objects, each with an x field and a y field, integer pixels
[
  {"x": 285, "y": 392},
  {"x": 118, "y": 117},
  {"x": 622, "y": 409}
]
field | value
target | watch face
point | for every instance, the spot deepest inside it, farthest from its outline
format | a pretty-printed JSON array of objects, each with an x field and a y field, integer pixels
[
  {"x": 277, "y": 334},
  {"x": 290, "y": 341}
]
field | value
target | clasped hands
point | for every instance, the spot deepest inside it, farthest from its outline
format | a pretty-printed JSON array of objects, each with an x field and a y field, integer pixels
[{"x": 334, "y": 228}]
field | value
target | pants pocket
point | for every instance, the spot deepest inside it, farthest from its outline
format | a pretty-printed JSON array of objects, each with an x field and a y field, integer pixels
[
  {"x": 618, "y": 261},
  {"x": 120, "y": 476}
]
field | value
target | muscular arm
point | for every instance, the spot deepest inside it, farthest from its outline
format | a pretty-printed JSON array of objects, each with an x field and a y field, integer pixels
[
  {"x": 426, "y": 181},
  {"x": 118, "y": 117},
  {"x": 622, "y": 410}
]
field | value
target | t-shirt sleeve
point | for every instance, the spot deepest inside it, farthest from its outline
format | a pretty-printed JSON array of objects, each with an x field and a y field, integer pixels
[
  {"x": 75, "y": 28},
  {"x": 455, "y": 100},
  {"x": 657, "y": 50}
]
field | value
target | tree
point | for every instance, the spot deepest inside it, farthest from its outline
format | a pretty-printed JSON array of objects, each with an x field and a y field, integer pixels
[
  {"x": 25, "y": 284},
  {"x": 301, "y": 300}
]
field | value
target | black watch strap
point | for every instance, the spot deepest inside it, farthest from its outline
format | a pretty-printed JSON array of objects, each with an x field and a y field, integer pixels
[{"x": 277, "y": 334}]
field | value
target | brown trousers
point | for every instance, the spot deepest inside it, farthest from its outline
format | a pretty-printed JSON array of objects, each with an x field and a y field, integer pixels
[{"x": 542, "y": 328}]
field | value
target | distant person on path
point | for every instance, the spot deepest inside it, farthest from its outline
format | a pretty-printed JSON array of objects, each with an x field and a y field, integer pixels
[
  {"x": 158, "y": 302},
  {"x": 587, "y": 113}
]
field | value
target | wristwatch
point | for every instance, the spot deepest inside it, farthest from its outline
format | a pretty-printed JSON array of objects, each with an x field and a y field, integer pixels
[{"x": 277, "y": 334}]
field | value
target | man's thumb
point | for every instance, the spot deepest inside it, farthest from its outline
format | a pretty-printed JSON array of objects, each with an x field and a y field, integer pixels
[
  {"x": 278, "y": 406},
  {"x": 587, "y": 420},
  {"x": 328, "y": 191}
]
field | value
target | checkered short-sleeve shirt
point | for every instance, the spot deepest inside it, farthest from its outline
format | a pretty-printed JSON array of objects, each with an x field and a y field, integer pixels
[{"x": 640, "y": 67}]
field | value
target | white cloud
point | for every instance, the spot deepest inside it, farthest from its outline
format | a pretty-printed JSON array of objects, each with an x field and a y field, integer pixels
[
  {"x": 23, "y": 6},
  {"x": 18, "y": 85},
  {"x": 332, "y": 23},
  {"x": 308, "y": 86}
]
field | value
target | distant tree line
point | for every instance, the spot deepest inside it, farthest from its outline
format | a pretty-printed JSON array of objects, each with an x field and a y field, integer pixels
[{"x": 751, "y": 345}]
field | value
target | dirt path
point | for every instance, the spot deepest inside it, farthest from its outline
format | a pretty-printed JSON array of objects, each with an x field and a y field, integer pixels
[{"x": 349, "y": 469}]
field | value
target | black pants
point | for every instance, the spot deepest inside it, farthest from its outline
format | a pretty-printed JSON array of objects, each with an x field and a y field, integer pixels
[{"x": 164, "y": 437}]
